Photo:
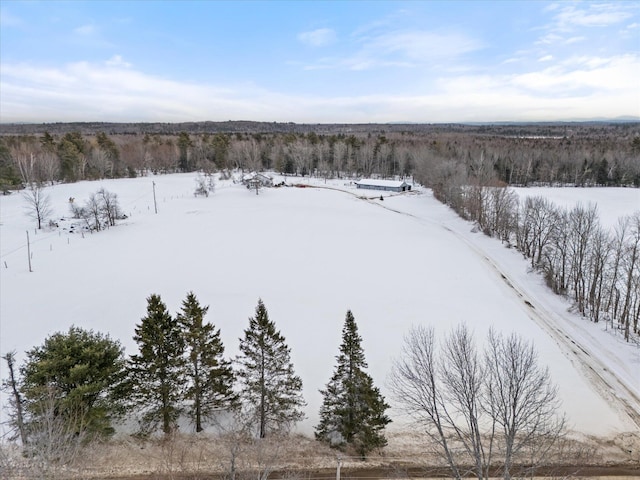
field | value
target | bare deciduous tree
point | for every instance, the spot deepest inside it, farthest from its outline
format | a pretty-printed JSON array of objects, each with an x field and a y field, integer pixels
[
  {"x": 246, "y": 456},
  {"x": 55, "y": 441},
  {"x": 26, "y": 162},
  {"x": 416, "y": 383},
  {"x": 38, "y": 204},
  {"x": 598, "y": 260},
  {"x": 480, "y": 411},
  {"x": 15, "y": 402},
  {"x": 109, "y": 206},
  {"x": 520, "y": 398},
  {"x": 93, "y": 212},
  {"x": 50, "y": 167},
  {"x": 631, "y": 268},
  {"x": 100, "y": 210},
  {"x": 582, "y": 224}
]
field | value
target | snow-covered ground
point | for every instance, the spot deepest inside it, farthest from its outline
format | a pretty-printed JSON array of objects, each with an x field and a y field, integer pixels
[
  {"x": 613, "y": 202},
  {"x": 310, "y": 254}
]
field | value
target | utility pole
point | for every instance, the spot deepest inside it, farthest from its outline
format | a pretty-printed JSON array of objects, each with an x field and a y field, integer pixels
[
  {"x": 29, "y": 251},
  {"x": 155, "y": 204},
  {"x": 338, "y": 469}
]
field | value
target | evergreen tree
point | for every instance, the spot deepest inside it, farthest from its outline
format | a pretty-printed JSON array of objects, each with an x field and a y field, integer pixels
[
  {"x": 48, "y": 143},
  {"x": 9, "y": 175},
  {"x": 71, "y": 152},
  {"x": 270, "y": 389},
  {"x": 210, "y": 376},
  {"x": 184, "y": 144},
  {"x": 157, "y": 372},
  {"x": 352, "y": 412},
  {"x": 74, "y": 373}
]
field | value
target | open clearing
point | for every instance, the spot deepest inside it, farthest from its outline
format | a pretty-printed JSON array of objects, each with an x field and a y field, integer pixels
[{"x": 310, "y": 254}]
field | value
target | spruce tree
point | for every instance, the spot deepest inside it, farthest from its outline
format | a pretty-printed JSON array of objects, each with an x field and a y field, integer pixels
[
  {"x": 157, "y": 372},
  {"x": 270, "y": 389},
  {"x": 210, "y": 377},
  {"x": 352, "y": 412}
]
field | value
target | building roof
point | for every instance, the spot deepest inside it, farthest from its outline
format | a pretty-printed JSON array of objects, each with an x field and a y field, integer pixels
[{"x": 382, "y": 183}]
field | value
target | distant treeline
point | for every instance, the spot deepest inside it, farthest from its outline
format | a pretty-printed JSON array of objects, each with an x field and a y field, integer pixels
[
  {"x": 562, "y": 129},
  {"x": 514, "y": 154}
]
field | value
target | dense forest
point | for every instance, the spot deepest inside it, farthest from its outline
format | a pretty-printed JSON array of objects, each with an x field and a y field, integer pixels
[{"x": 583, "y": 154}]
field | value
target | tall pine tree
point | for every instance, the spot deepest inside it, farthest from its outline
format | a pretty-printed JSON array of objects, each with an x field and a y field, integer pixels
[
  {"x": 157, "y": 372},
  {"x": 210, "y": 377},
  {"x": 270, "y": 389},
  {"x": 352, "y": 412}
]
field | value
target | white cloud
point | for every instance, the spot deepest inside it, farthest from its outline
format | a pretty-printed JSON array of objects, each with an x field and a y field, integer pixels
[
  {"x": 546, "y": 58},
  {"x": 401, "y": 49},
  {"x": 9, "y": 20},
  {"x": 586, "y": 74},
  {"x": 581, "y": 87},
  {"x": 318, "y": 38},
  {"x": 512, "y": 60},
  {"x": 551, "y": 7},
  {"x": 88, "y": 29},
  {"x": 577, "y": 39},
  {"x": 549, "y": 39},
  {"x": 591, "y": 15},
  {"x": 117, "y": 61},
  {"x": 423, "y": 45},
  {"x": 555, "y": 39}
]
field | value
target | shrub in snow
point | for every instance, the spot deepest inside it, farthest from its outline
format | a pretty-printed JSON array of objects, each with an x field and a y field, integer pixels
[
  {"x": 204, "y": 185},
  {"x": 100, "y": 210}
]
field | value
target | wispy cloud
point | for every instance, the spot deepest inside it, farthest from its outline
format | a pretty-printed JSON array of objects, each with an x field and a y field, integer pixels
[
  {"x": 549, "y": 39},
  {"x": 398, "y": 48},
  {"x": 576, "y": 39},
  {"x": 9, "y": 20},
  {"x": 110, "y": 90},
  {"x": 585, "y": 74},
  {"x": 575, "y": 29},
  {"x": 88, "y": 29},
  {"x": 423, "y": 45},
  {"x": 630, "y": 31},
  {"x": 320, "y": 37},
  {"x": 117, "y": 61},
  {"x": 116, "y": 91},
  {"x": 554, "y": 38},
  {"x": 591, "y": 14}
]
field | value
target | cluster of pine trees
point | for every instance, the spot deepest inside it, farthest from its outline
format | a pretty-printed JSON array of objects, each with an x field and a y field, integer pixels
[{"x": 81, "y": 383}]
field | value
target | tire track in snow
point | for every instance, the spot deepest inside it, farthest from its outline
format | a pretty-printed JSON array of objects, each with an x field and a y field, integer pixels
[{"x": 604, "y": 381}]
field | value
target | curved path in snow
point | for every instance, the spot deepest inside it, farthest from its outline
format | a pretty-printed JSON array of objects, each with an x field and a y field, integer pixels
[{"x": 611, "y": 387}]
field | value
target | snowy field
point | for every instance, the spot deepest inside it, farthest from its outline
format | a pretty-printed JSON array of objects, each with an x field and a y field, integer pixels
[
  {"x": 310, "y": 254},
  {"x": 612, "y": 202}
]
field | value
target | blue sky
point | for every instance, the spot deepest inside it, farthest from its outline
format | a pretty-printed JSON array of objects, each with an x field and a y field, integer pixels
[{"x": 308, "y": 62}]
